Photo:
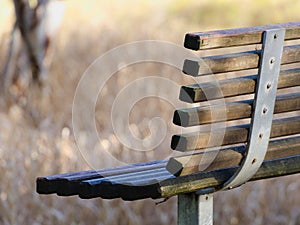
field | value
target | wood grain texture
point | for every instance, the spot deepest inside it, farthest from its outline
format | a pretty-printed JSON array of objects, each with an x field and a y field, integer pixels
[
  {"x": 237, "y": 36},
  {"x": 231, "y": 135},
  {"x": 235, "y": 62},
  {"x": 188, "y": 164},
  {"x": 234, "y": 87},
  {"x": 159, "y": 183},
  {"x": 127, "y": 186},
  {"x": 230, "y": 111},
  {"x": 215, "y": 178}
]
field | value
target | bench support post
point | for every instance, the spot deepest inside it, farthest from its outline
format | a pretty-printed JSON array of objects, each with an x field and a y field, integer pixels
[{"x": 194, "y": 209}]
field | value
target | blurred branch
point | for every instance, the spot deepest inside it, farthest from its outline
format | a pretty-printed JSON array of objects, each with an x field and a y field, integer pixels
[
  {"x": 6, "y": 73},
  {"x": 27, "y": 21},
  {"x": 25, "y": 68}
]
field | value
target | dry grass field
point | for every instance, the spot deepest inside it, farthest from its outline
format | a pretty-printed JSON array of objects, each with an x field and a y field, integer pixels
[{"x": 31, "y": 147}]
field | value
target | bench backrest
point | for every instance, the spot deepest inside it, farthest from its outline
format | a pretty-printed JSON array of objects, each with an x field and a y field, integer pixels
[
  {"x": 225, "y": 101},
  {"x": 218, "y": 100}
]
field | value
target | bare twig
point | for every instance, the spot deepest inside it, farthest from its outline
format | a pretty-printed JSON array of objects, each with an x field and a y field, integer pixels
[
  {"x": 24, "y": 14},
  {"x": 7, "y": 73}
]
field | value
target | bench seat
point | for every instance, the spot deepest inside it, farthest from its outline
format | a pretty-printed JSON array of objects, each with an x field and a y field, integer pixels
[{"x": 157, "y": 179}]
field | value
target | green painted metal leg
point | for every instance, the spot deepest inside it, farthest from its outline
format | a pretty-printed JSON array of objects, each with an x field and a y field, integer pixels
[{"x": 194, "y": 209}]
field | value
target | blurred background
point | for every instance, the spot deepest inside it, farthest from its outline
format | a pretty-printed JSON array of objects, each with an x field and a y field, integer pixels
[{"x": 36, "y": 136}]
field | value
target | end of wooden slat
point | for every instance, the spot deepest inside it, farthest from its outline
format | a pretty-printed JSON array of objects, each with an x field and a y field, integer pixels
[
  {"x": 191, "y": 67},
  {"x": 178, "y": 143},
  {"x": 43, "y": 186},
  {"x": 192, "y": 41},
  {"x": 87, "y": 191},
  {"x": 181, "y": 118},
  {"x": 187, "y": 94},
  {"x": 174, "y": 167}
]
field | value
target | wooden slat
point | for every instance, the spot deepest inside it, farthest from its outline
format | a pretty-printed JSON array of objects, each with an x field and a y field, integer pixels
[
  {"x": 66, "y": 184},
  {"x": 128, "y": 186},
  {"x": 234, "y": 87},
  {"x": 163, "y": 184},
  {"x": 237, "y": 36},
  {"x": 69, "y": 185},
  {"x": 224, "y": 158},
  {"x": 235, "y": 62},
  {"x": 230, "y": 111},
  {"x": 215, "y": 178},
  {"x": 231, "y": 135},
  {"x": 48, "y": 184}
]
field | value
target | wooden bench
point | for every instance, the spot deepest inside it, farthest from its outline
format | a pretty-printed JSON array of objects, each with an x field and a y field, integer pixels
[{"x": 238, "y": 140}]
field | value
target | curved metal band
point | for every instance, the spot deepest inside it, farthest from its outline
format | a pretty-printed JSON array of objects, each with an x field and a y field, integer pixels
[{"x": 264, "y": 102}]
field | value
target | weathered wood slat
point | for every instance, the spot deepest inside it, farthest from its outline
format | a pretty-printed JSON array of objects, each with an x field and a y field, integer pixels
[
  {"x": 163, "y": 184},
  {"x": 144, "y": 185},
  {"x": 127, "y": 186},
  {"x": 235, "y": 62},
  {"x": 127, "y": 178},
  {"x": 48, "y": 184},
  {"x": 66, "y": 184},
  {"x": 188, "y": 164},
  {"x": 215, "y": 178},
  {"x": 69, "y": 185},
  {"x": 237, "y": 36},
  {"x": 234, "y": 87},
  {"x": 107, "y": 190},
  {"x": 230, "y": 111},
  {"x": 231, "y": 135}
]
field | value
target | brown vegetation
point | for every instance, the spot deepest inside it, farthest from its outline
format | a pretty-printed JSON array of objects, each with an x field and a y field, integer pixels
[{"x": 30, "y": 148}]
